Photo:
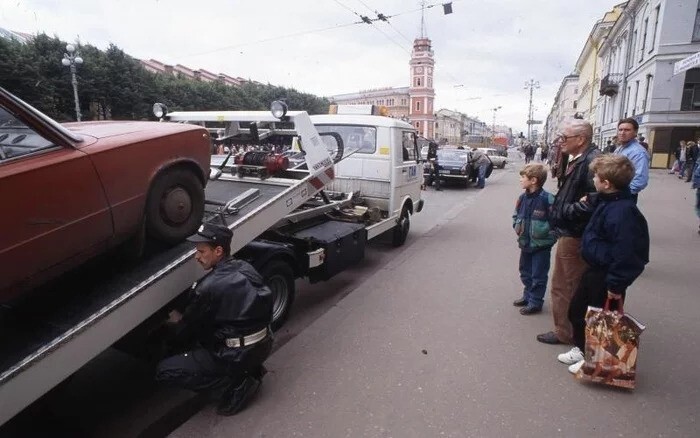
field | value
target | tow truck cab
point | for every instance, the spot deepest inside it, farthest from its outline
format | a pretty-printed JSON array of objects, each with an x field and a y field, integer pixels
[{"x": 381, "y": 160}]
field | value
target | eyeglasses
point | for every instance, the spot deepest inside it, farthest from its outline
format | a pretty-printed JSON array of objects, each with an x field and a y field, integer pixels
[{"x": 563, "y": 138}]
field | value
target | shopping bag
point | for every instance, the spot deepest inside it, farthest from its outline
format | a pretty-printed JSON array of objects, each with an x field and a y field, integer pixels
[{"x": 612, "y": 343}]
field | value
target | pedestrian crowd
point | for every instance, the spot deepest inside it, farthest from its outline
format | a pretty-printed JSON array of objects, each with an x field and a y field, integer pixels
[{"x": 601, "y": 236}]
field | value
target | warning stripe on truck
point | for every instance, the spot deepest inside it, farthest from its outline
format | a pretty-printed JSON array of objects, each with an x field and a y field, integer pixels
[{"x": 322, "y": 178}]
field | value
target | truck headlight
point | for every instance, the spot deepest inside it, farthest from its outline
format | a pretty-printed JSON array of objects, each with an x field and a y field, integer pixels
[
  {"x": 278, "y": 109},
  {"x": 160, "y": 110}
]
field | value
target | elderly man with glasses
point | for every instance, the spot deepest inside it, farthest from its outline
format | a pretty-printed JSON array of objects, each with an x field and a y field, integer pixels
[{"x": 569, "y": 216}]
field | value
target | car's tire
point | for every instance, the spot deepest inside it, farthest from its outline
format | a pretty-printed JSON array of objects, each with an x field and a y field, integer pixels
[
  {"x": 175, "y": 205},
  {"x": 401, "y": 229},
  {"x": 503, "y": 165},
  {"x": 279, "y": 277}
]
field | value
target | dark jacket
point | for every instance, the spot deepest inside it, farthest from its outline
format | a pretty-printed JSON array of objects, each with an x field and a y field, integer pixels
[
  {"x": 570, "y": 215},
  {"x": 617, "y": 240},
  {"x": 230, "y": 301},
  {"x": 531, "y": 221},
  {"x": 691, "y": 154}
]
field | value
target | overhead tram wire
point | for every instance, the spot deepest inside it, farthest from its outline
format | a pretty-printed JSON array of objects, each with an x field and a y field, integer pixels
[
  {"x": 306, "y": 32},
  {"x": 385, "y": 19},
  {"x": 267, "y": 40},
  {"x": 371, "y": 21}
]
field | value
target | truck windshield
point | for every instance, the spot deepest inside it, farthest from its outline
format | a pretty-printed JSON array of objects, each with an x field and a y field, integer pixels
[{"x": 356, "y": 138}]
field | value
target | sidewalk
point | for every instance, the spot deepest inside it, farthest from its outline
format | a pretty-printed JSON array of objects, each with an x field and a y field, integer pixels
[{"x": 431, "y": 346}]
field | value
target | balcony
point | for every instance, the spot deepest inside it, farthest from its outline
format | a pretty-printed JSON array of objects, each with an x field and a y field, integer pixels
[{"x": 610, "y": 84}]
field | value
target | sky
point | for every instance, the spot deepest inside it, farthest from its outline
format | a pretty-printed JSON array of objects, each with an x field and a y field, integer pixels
[{"x": 485, "y": 51}]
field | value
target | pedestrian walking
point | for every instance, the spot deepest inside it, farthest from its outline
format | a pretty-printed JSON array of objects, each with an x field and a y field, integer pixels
[
  {"x": 224, "y": 328},
  {"x": 568, "y": 218},
  {"x": 630, "y": 148},
  {"x": 434, "y": 174},
  {"x": 615, "y": 245},
  {"x": 535, "y": 237},
  {"x": 680, "y": 156}
]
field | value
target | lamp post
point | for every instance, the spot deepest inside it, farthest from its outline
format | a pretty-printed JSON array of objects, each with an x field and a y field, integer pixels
[
  {"x": 70, "y": 59},
  {"x": 531, "y": 84},
  {"x": 493, "y": 125}
]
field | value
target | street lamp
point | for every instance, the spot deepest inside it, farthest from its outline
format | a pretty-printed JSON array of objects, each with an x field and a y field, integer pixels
[
  {"x": 493, "y": 125},
  {"x": 70, "y": 59},
  {"x": 531, "y": 84}
]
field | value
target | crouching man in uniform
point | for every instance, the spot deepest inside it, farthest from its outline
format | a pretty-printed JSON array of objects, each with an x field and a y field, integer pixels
[{"x": 225, "y": 324}]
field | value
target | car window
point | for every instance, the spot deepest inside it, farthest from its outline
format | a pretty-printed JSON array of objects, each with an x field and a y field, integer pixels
[
  {"x": 17, "y": 139},
  {"x": 408, "y": 142},
  {"x": 358, "y": 139},
  {"x": 452, "y": 155}
]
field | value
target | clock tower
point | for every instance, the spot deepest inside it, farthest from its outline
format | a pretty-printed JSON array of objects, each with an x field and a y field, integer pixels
[{"x": 421, "y": 91}]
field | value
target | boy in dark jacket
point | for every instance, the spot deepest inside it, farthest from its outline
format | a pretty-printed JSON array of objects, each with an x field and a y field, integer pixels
[
  {"x": 535, "y": 238},
  {"x": 615, "y": 245}
]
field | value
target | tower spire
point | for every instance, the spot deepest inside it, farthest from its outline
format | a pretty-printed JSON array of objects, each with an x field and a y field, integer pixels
[{"x": 422, "y": 19}]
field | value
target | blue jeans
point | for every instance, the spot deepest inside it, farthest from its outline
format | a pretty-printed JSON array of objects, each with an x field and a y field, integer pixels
[
  {"x": 481, "y": 181},
  {"x": 534, "y": 271}
]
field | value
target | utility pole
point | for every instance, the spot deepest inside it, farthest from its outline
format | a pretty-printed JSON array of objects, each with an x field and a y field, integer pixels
[
  {"x": 493, "y": 125},
  {"x": 531, "y": 84}
]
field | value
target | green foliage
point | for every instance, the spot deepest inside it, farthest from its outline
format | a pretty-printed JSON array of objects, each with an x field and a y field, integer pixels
[{"x": 113, "y": 85}]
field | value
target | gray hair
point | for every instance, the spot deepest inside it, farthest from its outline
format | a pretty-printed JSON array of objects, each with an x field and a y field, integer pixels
[{"x": 581, "y": 127}]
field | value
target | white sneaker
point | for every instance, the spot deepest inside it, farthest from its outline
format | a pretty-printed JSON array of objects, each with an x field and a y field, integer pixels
[
  {"x": 573, "y": 369},
  {"x": 571, "y": 357}
]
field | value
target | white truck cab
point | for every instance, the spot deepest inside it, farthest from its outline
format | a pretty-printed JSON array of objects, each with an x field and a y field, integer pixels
[{"x": 380, "y": 161}]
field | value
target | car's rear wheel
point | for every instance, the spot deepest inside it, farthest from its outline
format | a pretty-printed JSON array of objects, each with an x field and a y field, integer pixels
[{"x": 175, "y": 205}]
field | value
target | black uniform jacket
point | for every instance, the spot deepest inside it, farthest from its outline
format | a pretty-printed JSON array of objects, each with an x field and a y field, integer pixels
[
  {"x": 231, "y": 301},
  {"x": 569, "y": 216}
]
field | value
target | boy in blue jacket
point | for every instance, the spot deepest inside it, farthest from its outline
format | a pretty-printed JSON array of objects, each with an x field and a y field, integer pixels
[
  {"x": 535, "y": 238},
  {"x": 615, "y": 245}
]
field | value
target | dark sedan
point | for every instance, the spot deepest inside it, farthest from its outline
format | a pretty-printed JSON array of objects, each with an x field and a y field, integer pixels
[{"x": 453, "y": 165}]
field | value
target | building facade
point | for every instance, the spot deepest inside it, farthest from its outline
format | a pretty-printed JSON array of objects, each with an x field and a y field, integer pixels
[
  {"x": 396, "y": 100},
  {"x": 644, "y": 44},
  {"x": 413, "y": 103},
  {"x": 589, "y": 67},
  {"x": 565, "y": 107},
  {"x": 155, "y": 66}
]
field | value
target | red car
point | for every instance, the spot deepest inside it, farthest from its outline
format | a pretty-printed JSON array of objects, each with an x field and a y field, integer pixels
[{"x": 70, "y": 192}]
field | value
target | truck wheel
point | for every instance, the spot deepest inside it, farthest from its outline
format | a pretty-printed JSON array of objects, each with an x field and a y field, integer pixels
[
  {"x": 400, "y": 232},
  {"x": 175, "y": 206},
  {"x": 279, "y": 277}
]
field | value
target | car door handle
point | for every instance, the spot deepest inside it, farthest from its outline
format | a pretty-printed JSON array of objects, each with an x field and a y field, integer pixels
[{"x": 40, "y": 221}]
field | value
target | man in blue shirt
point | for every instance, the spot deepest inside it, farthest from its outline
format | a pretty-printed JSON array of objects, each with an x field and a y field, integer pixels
[{"x": 630, "y": 148}]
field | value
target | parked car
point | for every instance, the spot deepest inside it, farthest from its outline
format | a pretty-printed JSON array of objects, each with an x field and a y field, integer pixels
[
  {"x": 73, "y": 191},
  {"x": 496, "y": 157},
  {"x": 453, "y": 165}
]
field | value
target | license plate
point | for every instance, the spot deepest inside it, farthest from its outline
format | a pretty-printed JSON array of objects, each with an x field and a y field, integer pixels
[{"x": 444, "y": 172}]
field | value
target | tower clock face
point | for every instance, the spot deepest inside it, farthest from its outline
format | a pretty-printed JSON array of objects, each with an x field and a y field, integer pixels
[{"x": 419, "y": 70}]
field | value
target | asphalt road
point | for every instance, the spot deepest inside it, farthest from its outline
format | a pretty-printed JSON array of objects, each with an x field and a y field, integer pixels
[{"x": 423, "y": 341}]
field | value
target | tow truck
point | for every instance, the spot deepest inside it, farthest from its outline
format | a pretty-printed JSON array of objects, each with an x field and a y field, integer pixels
[{"x": 312, "y": 220}]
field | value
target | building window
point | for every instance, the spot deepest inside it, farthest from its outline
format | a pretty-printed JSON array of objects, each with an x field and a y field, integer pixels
[
  {"x": 657, "y": 11},
  {"x": 634, "y": 48},
  {"x": 696, "y": 28},
  {"x": 645, "y": 104},
  {"x": 403, "y": 102},
  {"x": 636, "y": 96},
  {"x": 575, "y": 104},
  {"x": 416, "y": 82},
  {"x": 644, "y": 39},
  {"x": 430, "y": 82},
  {"x": 417, "y": 106},
  {"x": 691, "y": 91}
]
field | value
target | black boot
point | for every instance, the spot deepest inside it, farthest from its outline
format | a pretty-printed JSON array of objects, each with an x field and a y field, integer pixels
[{"x": 235, "y": 399}]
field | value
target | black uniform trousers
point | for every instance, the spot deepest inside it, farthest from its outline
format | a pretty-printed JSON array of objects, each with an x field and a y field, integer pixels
[
  {"x": 201, "y": 370},
  {"x": 591, "y": 291}
]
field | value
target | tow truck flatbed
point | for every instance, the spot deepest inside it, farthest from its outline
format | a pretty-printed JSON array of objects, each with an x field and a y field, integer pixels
[{"x": 43, "y": 344}]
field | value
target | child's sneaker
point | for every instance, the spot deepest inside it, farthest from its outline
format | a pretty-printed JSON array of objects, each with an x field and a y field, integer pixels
[
  {"x": 573, "y": 369},
  {"x": 571, "y": 357}
]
